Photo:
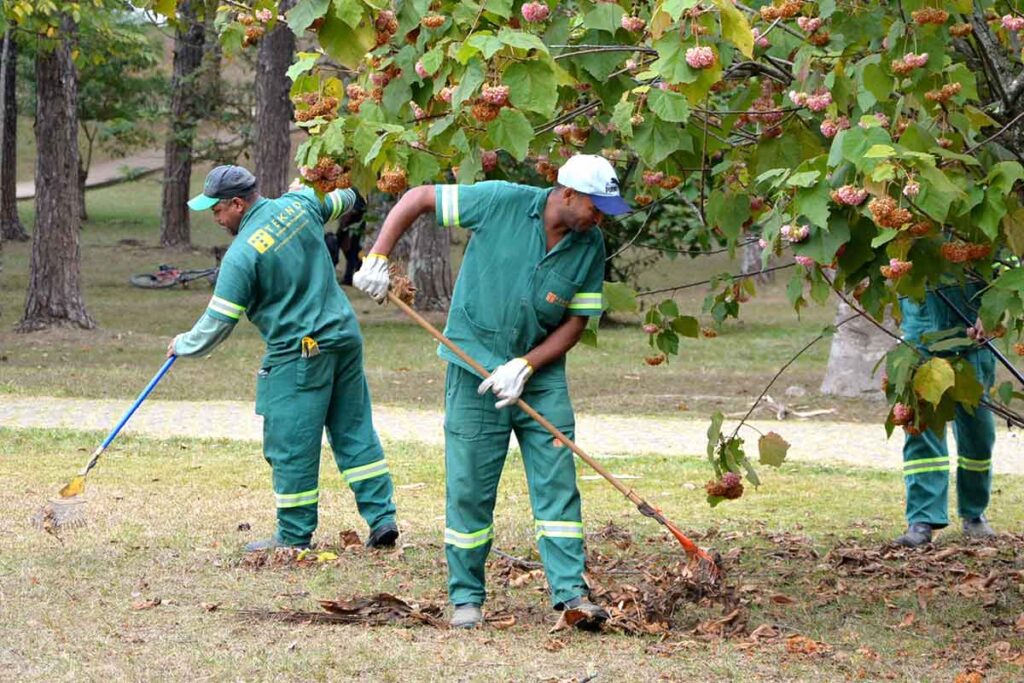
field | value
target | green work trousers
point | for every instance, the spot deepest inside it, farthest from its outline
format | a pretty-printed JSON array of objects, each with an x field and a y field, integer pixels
[
  {"x": 925, "y": 457},
  {"x": 297, "y": 399},
  {"x": 476, "y": 443}
]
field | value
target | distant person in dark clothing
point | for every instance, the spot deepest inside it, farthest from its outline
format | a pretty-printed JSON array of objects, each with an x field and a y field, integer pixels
[{"x": 349, "y": 238}]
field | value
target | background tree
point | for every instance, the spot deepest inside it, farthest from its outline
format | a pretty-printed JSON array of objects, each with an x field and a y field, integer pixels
[
  {"x": 54, "y": 291},
  {"x": 185, "y": 112},
  {"x": 10, "y": 223},
  {"x": 273, "y": 149}
]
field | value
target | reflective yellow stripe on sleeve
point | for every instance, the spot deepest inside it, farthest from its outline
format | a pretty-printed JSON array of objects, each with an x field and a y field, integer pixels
[
  {"x": 337, "y": 203},
  {"x": 225, "y": 307},
  {"x": 374, "y": 469},
  {"x": 558, "y": 529},
  {"x": 467, "y": 541},
  {"x": 450, "y": 206},
  {"x": 586, "y": 301}
]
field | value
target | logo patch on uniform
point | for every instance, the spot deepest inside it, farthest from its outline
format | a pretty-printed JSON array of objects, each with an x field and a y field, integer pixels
[
  {"x": 261, "y": 240},
  {"x": 553, "y": 298}
]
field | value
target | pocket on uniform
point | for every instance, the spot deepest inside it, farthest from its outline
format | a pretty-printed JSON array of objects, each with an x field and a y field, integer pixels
[
  {"x": 551, "y": 300},
  {"x": 464, "y": 409},
  {"x": 313, "y": 373},
  {"x": 262, "y": 386}
]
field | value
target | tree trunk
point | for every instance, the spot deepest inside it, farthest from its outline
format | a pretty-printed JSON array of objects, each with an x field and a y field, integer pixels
[
  {"x": 10, "y": 224},
  {"x": 856, "y": 349},
  {"x": 210, "y": 82},
  {"x": 430, "y": 266},
  {"x": 175, "y": 229},
  {"x": 274, "y": 109},
  {"x": 750, "y": 263},
  {"x": 83, "y": 173},
  {"x": 54, "y": 288}
]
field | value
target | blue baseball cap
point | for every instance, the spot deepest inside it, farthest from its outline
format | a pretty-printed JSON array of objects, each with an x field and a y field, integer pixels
[{"x": 223, "y": 182}]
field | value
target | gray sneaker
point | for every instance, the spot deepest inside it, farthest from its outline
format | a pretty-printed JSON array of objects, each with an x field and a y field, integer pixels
[
  {"x": 270, "y": 544},
  {"x": 467, "y": 616},
  {"x": 593, "y": 615},
  {"x": 916, "y": 535},
  {"x": 978, "y": 527}
]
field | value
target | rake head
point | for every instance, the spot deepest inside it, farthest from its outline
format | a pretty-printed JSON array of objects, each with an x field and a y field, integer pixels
[{"x": 60, "y": 514}]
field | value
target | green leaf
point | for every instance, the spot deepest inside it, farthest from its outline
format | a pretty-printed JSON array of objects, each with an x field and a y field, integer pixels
[
  {"x": 512, "y": 132},
  {"x": 687, "y": 326},
  {"x": 423, "y": 168},
  {"x": 714, "y": 433},
  {"x": 1013, "y": 228},
  {"x": 880, "y": 152},
  {"x": 803, "y": 179},
  {"x": 668, "y": 308},
  {"x": 521, "y": 40},
  {"x": 960, "y": 73},
  {"x": 814, "y": 204},
  {"x": 877, "y": 82},
  {"x": 622, "y": 118},
  {"x": 1012, "y": 280},
  {"x": 772, "y": 449},
  {"x": 503, "y": 8},
  {"x": 484, "y": 41},
  {"x": 937, "y": 192},
  {"x": 604, "y": 17},
  {"x": 304, "y": 63},
  {"x": 1004, "y": 175},
  {"x": 883, "y": 237},
  {"x": 671, "y": 62},
  {"x": 432, "y": 60},
  {"x": 667, "y": 341},
  {"x": 619, "y": 297},
  {"x": 531, "y": 86},
  {"x": 655, "y": 140},
  {"x": 669, "y": 106},
  {"x": 333, "y": 138},
  {"x": 472, "y": 78},
  {"x": 728, "y": 212},
  {"x": 954, "y": 344},
  {"x": 967, "y": 390},
  {"x": 735, "y": 28},
  {"x": 933, "y": 379},
  {"x": 304, "y": 13},
  {"x": 675, "y": 8},
  {"x": 349, "y": 11},
  {"x": 346, "y": 45}
]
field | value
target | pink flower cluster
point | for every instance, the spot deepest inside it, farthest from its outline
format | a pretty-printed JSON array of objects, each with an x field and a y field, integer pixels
[
  {"x": 817, "y": 102},
  {"x": 809, "y": 24},
  {"x": 489, "y": 160},
  {"x": 1012, "y": 23},
  {"x": 882, "y": 119},
  {"x": 760, "y": 40},
  {"x": 850, "y": 195},
  {"x": 264, "y": 15},
  {"x": 421, "y": 70},
  {"x": 899, "y": 268},
  {"x": 902, "y": 414},
  {"x": 830, "y": 128},
  {"x": 651, "y": 328},
  {"x": 700, "y": 57},
  {"x": 445, "y": 94},
  {"x": 917, "y": 61},
  {"x": 536, "y": 12},
  {"x": 633, "y": 24},
  {"x": 805, "y": 261},
  {"x": 795, "y": 234},
  {"x": 417, "y": 111},
  {"x": 495, "y": 94},
  {"x": 911, "y": 189}
]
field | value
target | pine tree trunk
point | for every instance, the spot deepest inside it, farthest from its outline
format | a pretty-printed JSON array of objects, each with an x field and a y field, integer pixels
[
  {"x": 210, "y": 81},
  {"x": 856, "y": 349},
  {"x": 430, "y": 267},
  {"x": 175, "y": 228},
  {"x": 54, "y": 288},
  {"x": 274, "y": 109},
  {"x": 10, "y": 224}
]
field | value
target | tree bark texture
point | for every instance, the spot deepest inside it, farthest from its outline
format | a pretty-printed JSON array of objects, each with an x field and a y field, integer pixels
[
  {"x": 750, "y": 263},
  {"x": 55, "y": 288},
  {"x": 210, "y": 81},
  {"x": 175, "y": 228},
  {"x": 274, "y": 109},
  {"x": 430, "y": 267},
  {"x": 856, "y": 349},
  {"x": 10, "y": 224},
  {"x": 83, "y": 174}
]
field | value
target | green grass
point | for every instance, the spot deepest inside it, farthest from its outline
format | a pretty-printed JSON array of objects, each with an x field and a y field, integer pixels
[
  {"x": 164, "y": 520},
  {"x": 134, "y": 325}
]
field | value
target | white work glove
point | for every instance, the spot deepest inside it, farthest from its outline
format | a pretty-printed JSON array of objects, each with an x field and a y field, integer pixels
[
  {"x": 373, "y": 277},
  {"x": 507, "y": 381}
]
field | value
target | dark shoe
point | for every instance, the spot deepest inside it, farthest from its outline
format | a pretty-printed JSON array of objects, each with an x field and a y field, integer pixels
[
  {"x": 272, "y": 543},
  {"x": 593, "y": 615},
  {"x": 383, "y": 536},
  {"x": 917, "y": 535},
  {"x": 467, "y": 616},
  {"x": 978, "y": 527}
]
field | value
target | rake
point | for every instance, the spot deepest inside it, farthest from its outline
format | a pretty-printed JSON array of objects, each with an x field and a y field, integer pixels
[
  {"x": 705, "y": 562},
  {"x": 68, "y": 509}
]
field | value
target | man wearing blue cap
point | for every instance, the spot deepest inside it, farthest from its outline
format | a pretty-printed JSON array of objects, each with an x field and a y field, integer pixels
[
  {"x": 531, "y": 279},
  {"x": 279, "y": 274}
]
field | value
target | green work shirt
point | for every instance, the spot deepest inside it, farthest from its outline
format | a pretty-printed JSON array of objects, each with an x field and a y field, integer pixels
[
  {"x": 279, "y": 273},
  {"x": 512, "y": 292}
]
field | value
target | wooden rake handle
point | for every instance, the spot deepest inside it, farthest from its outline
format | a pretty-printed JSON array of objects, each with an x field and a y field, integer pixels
[{"x": 644, "y": 507}]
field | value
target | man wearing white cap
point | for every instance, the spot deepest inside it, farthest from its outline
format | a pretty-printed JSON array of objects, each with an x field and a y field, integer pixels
[{"x": 530, "y": 280}]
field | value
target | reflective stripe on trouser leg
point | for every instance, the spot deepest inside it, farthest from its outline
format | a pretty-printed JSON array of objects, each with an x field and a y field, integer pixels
[
  {"x": 926, "y": 476},
  {"x": 975, "y": 440},
  {"x": 475, "y": 445},
  {"x": 293, "y": 418},
  {"x": 551, "y": 477},
  {"x": 357, "y": 449}
]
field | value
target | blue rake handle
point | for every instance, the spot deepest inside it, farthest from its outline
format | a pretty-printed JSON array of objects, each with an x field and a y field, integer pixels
[{"x": 127, "y": 416}]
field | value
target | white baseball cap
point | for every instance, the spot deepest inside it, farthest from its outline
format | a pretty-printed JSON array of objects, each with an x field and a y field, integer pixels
[{"x": 595, "y": 177}]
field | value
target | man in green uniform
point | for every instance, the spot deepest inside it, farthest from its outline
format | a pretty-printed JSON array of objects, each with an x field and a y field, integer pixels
[
  {"x": 925, "y": 457},
  {"x": 279, "y": 274},
  {"x": 530, "y": 280}
]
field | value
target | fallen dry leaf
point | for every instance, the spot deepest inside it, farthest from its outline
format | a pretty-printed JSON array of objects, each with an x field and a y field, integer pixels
[
  {"x": 1019, "y": 625},
  {"x": 501, "y": 621},
  {"x": 209, "y": 606},
  {"x": 350, "y": 539},
  {"x": 969, "y": 677},
  {"x": 554, "y": 645},
  {"x": 568, "y": 619},
  {"x": 780, "y": 599},
  {"x": 763, "y": 632},
  {"x": 526, "y": 577},
  {"x": 907, "y": 621},
  {"x": 146, "y": 604}
]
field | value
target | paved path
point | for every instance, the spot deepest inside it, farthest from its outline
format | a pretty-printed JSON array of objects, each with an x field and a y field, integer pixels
[{"x": 604, "y": 436}]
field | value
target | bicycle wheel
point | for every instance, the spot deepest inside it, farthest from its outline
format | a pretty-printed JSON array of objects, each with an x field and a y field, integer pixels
[
  {"x": 209, "y": 274},
  {"x": 152, "y": 281}
]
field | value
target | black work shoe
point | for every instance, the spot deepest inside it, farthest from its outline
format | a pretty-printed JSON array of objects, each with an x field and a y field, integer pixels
[
  {"x": 593, "y": 615},
  {"x": 916, "y": 535},
  {"x": 978, "y": 527},
  {"x": 467, "y": 616},
  {"x": 383, "y": 536},
  {"x": 272, "y": 543}
]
